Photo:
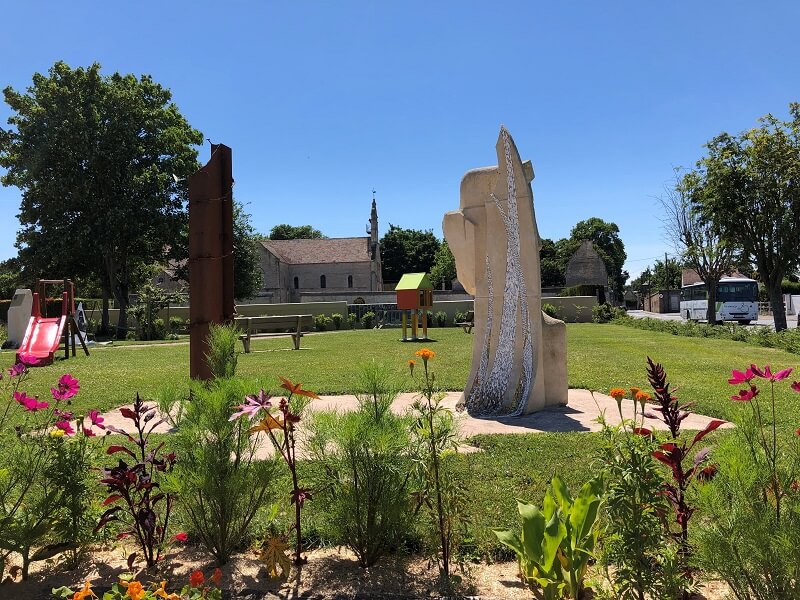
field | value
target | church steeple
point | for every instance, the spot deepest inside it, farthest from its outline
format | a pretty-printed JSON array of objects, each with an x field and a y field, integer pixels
[
  {"x": 376, "y": 277},
  {"x": 373, "y": 221}
]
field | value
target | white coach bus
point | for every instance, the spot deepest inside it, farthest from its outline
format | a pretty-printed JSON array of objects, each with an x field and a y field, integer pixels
[{"x": 737, "y": 300}]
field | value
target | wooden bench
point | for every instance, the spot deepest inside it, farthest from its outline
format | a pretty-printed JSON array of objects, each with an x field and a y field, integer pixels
[
  {"x": 468, "y": 323},
  {"x": 257, "y": 327}
]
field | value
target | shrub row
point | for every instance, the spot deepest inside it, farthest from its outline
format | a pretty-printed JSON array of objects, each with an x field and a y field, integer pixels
[{"x": 788, "y": 339}]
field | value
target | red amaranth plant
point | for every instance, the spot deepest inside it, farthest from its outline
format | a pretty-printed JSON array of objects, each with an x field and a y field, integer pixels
[
  {"x": 674, "y": 452},
  {"x": 148, "y": 508}
]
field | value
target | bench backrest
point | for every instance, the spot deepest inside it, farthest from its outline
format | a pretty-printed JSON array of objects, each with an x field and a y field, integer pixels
[{"x": 274, "y": 323}]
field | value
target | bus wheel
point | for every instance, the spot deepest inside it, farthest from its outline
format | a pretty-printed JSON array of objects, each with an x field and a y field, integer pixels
[{"x": 744, "y": 322}]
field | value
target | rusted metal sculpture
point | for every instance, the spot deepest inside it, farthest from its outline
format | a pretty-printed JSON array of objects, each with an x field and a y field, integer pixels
[{"x": 210, "y": 254}]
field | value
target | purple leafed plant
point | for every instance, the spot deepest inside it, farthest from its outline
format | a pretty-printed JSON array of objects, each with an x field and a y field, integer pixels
[
  {"x": 675, "y": 452},
  {"x": 135, "y": 488}
]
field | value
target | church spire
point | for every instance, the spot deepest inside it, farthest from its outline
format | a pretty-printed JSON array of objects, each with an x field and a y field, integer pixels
[{"x": 373, "y": 221}]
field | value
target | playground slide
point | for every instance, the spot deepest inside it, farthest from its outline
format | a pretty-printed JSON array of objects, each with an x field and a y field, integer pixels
[
  {"x": 42, "y": 339},
  {"x": 43, "y": 335}
]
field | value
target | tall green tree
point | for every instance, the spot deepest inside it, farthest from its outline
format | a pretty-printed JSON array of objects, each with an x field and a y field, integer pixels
[
  {"x": 443, "y": 270},
  {"x": 553, "y": 266},
  {"x": 698, "y": 240},
  {"x": 95, "y": 158},
  {"x": 247, "y": 274},
  {"x": 294, "y": 232},
  {"x": 407, "y": 251},
  {"x": 752, "y": 194},
  {"x": 604, "y": 235}
]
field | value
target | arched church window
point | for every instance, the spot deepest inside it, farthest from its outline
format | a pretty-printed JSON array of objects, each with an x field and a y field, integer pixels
[
  {"x": 349, "y": 281},
  {"x": 296, "y": 282},
  {"x": 322, "y": 281}
]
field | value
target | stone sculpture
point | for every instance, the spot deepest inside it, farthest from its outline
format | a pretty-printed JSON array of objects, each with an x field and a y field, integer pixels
[{"x": 519, "y": 361}]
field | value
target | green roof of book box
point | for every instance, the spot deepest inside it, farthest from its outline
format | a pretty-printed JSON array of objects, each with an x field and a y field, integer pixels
[{"x": 414, "y": 281}]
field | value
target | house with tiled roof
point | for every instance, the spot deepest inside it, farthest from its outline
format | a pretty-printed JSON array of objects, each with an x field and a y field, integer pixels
[{"x": 327, "y": 265}]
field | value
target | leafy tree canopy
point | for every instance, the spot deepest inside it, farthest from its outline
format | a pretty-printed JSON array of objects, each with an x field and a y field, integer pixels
[
  {"x": 294, "y": 232},
  {"x": 99, "y": 160},
  {"x": 443, "y": 270},
  {"x": 752, "y": 194},
  {"x": 407, "y": 251}
]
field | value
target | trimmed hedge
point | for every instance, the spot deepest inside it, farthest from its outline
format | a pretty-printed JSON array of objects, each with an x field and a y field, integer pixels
[{"x": 788, "y": 340}]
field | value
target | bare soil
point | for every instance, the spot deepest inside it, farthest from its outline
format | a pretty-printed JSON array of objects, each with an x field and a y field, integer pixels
[{"x": 330, "y": 574}]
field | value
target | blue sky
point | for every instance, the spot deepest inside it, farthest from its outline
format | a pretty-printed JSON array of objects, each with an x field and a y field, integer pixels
[{"x": 324, "y": 101}]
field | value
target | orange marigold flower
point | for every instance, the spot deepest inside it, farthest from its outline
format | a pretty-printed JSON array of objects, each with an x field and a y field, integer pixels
[
  {"x": 161, "y": 592},
  {"x": 85, "y": 592},
  {"x": 196, "y": 579},
  {"x": 642, "y": 396},
  {"x": 617, "y": 393},
  {"x": 411, "y": 364},
  {"x": 425, "y": 354},
  {"x": 635, "y": 390},
  {"x": 135, "y": 589},
  {"x": 217, "y": 576}
]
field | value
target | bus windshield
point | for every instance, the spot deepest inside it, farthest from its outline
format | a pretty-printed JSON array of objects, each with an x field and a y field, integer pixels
[{"x": 740, "y": 291}]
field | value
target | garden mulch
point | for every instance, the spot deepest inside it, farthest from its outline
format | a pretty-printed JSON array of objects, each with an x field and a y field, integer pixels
[{"x": 330, "y": 574}]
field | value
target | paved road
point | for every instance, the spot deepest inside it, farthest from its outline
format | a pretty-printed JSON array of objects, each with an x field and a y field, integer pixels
[{"x": 765, "y": 320}]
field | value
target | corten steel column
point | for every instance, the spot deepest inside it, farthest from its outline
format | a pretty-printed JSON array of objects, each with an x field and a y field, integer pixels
[{"x": 210, "y": 254}]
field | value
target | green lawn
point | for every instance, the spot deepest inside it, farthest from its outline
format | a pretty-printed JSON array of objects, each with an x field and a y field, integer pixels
[{"x": 600, "y": 357}]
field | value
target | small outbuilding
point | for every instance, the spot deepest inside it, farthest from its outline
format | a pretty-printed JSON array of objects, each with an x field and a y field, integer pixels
[{"x": 414, "y": 293}]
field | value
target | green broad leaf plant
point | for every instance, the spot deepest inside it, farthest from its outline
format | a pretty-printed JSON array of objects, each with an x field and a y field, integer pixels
[{"x": 557, "y": 540}]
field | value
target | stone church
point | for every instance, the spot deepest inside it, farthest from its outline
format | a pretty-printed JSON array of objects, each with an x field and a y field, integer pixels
[{"x": 332, "y": 265}]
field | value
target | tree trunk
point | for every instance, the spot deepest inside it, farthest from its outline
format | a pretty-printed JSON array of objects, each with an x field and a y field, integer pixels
[
  {"x": 105, "y": 326},
  {"x": 122, "y": 321},
  {"x": 776, "y": 304},
  {"x": 711, "y": 313}
]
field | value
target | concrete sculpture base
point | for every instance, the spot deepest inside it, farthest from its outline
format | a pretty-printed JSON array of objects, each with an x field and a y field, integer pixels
[{"x": 519, "y": 358}]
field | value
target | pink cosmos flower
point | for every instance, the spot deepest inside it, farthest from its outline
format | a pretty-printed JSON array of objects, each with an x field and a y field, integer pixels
[
  {"x": 30, "y": 404},
  {"x": 796, "y": 386},
  {"x": 181, "y": 537},
  {"x": 96, "y": 419},
  {"x": 740, "y": 378},
  {"x": 17, "y": 370},
  {"x": 767, "y": 373},
  {"x": 252, "y": 405},
  {"x": 65, "y": 426},
  {"x": 746, "y": 395},
  {"x": 68, "y": 386}
]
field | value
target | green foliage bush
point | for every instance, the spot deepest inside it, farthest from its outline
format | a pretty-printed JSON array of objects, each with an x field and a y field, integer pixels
[
  {"x": 635, "y": 555},
  {"x": 177, "y": 325},
  {"x": 352, "y": 319},
  {"x": 788, "y": 340},
  {"x": 321, "y": 322},
  {"x": 222, "y": 355},
  {"x": 365, "y": 483},
  {"x": 751, "y": 532},
  {"x": 583, "y": 289},
  {"x": 441, "y": 318},
  {"x": 550, "y": 310},
  {"x": 336, "y": 318},
  {"x": 220, "y": 484},
  {"x": 368, "y": 319},
  {"x": 605, "y": 313}
]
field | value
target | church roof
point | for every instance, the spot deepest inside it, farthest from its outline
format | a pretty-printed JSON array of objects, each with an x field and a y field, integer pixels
[{"x": 319, "y": 251}]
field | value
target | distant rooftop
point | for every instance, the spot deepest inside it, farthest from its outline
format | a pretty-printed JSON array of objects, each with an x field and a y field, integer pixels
[{"x": 320, "y": 251}]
